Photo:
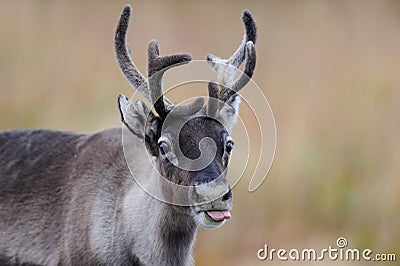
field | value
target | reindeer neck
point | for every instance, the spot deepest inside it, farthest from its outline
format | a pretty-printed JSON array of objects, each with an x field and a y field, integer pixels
[{"x": 159, "y": 234}]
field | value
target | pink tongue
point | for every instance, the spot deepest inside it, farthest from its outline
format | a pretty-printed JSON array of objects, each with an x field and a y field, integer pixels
[{"x": 219, "y": 215}]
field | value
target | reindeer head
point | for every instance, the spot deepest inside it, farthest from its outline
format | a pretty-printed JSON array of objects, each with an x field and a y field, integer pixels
[{"x": 191, "y": 142}]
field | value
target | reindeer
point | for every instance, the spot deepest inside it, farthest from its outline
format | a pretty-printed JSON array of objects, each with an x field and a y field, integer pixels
[{"x": 75, "y": 199}]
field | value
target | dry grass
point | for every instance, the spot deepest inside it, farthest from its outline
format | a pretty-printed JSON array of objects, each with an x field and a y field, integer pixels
[{"x": 330, "y": 70}]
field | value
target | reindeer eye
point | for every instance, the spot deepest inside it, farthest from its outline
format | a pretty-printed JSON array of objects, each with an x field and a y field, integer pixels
[
  {"x": 229, "y": 146},
  {"x": 163, "y": 147}
]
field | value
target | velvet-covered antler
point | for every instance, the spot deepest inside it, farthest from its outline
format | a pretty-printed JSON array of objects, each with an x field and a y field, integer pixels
[
  {"x": 151, "y": 89},
  {"x": 227, "y": 68}
]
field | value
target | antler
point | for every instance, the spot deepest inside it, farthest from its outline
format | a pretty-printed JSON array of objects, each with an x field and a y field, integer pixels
[
  {"x": 157, "y": 65},
  {"x": 227, "y": 68}
]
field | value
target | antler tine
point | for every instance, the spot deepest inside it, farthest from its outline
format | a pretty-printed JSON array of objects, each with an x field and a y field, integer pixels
[
  {"x": 157, "y": 65},
  {"x": 213, "y": 92},
  {"x": 128, "y": 68},
  {"x": 250, "y": 36},
  {"x": 247, "y": 73},
  {"x": 227, "y": 68}
]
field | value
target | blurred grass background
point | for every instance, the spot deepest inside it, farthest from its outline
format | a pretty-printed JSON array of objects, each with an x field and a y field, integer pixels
[{"x": 331, "y": 73}]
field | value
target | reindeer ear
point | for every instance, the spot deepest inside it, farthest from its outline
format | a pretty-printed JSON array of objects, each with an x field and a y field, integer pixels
[
  {"x": 230, "y": 111},
  {"x": 140, "y": 121}
]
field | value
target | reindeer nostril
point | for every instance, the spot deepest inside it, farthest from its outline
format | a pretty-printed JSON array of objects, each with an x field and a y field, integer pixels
[{"x": 227, "y": 196}]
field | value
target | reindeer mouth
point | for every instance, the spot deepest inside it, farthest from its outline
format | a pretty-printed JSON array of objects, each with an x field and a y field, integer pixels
[
  {"x": 218, "y": 216},
  {"x": 211, "y": 219}
]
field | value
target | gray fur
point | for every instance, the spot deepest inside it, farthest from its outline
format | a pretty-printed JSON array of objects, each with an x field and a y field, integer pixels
[{"x": 70, "y": 199}]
